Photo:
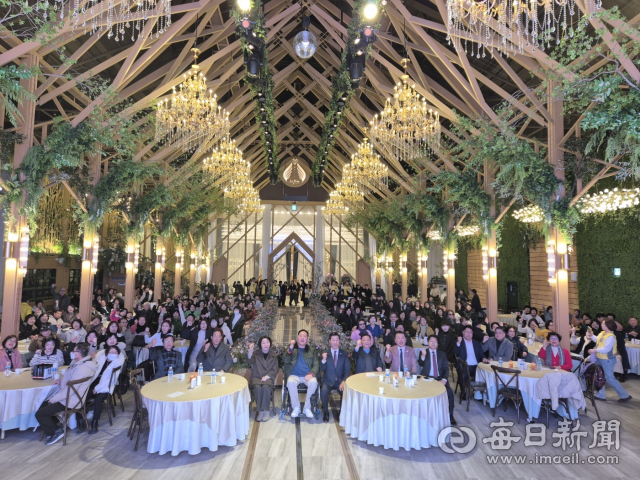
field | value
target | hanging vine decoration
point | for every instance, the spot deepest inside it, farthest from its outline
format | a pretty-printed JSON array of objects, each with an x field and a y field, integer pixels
[
  {"x": 261, "y": 87},
  {"x": 342, "y": 89},
  {"x": 140, "y": 208}
]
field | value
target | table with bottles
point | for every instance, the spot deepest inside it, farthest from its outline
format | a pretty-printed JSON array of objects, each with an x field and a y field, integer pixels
[
  {"x": 530, "y": 374},
  {"x": 20, "y": 398},
  {"x": 214, "y": 413},
  {"x": 633, "y": 352},
  {"x": 409, "y": 415}
]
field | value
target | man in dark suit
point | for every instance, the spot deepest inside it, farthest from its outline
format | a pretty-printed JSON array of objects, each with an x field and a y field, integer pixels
[
  {"x": 435, "y": 365},
  {"x": 367, "y": 355},
  {"x": 335, "y": 368},
  {"x": 283, "y": 293},
  {"x": 469, "y": 350}
]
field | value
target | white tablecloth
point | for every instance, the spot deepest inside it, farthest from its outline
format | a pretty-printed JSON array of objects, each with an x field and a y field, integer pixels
[
  {"x": 507, "y": 319},
  {"x": 401, "y": 418},
  {"x": 527, "y": 383},
  {"x": 20, "y": 398},
  {"x": 633, "y": 352},
  {"x": 205, "y": 417}
]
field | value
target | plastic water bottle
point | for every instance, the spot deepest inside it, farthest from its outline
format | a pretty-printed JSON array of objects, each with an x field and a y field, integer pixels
[
  {"x": 7, "y": 370},
  {"x": 500, "y": 362},
  {"x": 54, "y": 371},
  {"x": 538, "y": 364},
  {"x": 170, "y": 374},
  {"x": 200, "y": 370},
  {"x": 213, "y": 376}
]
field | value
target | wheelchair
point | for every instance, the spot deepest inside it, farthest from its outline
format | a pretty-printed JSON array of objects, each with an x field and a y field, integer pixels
[{"x": 302, "y": 388}]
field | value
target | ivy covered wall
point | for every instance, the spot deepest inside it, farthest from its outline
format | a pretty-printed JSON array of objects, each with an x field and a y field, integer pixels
[
  {"x": 605, "y": 242},
  {"x": 513, "y": 261}
]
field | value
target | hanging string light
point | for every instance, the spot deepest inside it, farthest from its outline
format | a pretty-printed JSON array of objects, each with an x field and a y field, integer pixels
[
  {"x": 517, "y": 23},
  {"x": 407, "y": 128},
  {"x": 435, "y": 235},
  {"x": 467, "y": 230},
  {"x": 96, "y": 16},
  {"x": 609, "y": 200},
  {"x": 529, "y": 214},
  {"x": 193, "y": 116}
]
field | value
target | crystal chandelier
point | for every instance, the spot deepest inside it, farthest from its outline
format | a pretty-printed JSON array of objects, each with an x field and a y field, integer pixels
[
  {"x": 366, "y": 169},
  {"x": 224, "y": 162},
  {"x": 90, "y": 15},
  {"x": 251, "y": 204},
  {"x": 352, "y": 195},
  {"x": 609, "y": 200},
  {"x": 335, "y": 204},
  {"x": 517, "y": 23},
  {"x": 406, "y": 128},
  {"x": 193, "y": 116},
  {"x": 529, "y": 214}
]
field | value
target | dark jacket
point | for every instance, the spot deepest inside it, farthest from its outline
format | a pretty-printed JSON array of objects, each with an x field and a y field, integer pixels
[
  {"x": 291, "y": 358},
  {"x": 162, "y": 370},
  {"x": 261, "y": 366},
  {"x": 192, "y": 336},
  {"x": 361, "y": 359},
  {"x": 461, "y": 351},
  {"x": 332, "y": 374},
  {"x": 443, "y": 365},
  {"x": 518, "y": 348},
  {"x": 215, "y": 359},
  {"x": 447, "y": 342}
]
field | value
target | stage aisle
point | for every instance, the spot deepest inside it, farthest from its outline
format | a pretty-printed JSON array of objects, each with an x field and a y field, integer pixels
[{"x": 311, "y": 449}]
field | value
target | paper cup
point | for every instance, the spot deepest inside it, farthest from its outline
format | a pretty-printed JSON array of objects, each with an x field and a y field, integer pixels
[
  {"x": 381, "y": 390},
  {"x": 222, "y": 379},
  {"x": 18, "y": 371},
  {"x": 415, "y": 379},
  {"x": 381, "y": 377},
  {"x": 182, "y": 376},
  {"x": 63, "y": 372}
]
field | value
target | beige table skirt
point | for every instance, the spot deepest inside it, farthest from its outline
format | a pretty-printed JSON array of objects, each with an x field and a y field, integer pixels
[
  {"x": 205, "y": 417},
  {"x": 404, "y": 417}
]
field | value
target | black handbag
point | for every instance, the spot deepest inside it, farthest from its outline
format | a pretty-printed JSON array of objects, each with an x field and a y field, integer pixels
[{"x": 138, "y": 341}]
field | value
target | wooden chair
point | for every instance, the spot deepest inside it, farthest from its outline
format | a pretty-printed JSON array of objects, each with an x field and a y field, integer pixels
[
  {"x": 579, "y": 359},
  {"x": 111, "y": 402},
  {"x": 590, "y": 392},
  {"x": 140, "y": 417},
  {"x": 468, "y": 386},
  {"x": 507, "y": 391},
  {"x": 79, "y": 407}
]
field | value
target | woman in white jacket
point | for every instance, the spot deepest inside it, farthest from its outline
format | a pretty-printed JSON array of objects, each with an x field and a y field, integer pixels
[{"x": 108, "y": 360}]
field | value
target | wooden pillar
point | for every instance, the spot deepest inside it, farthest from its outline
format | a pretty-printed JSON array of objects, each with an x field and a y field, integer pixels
[
  {"x": 159, "y": 268},
  {"x": 491, "y": 281},
  {"x": 192, "y": 272},
  {"x": 18, "y": 230},
  {"x": 177, "y": 287},
  {"x": 403, "y": 270},
  {"x": 557, "y": 241},
  {"x": 423, "y": 274},
  {"x": 90, "y": 248},
  {"x": 130, "y": 276}
]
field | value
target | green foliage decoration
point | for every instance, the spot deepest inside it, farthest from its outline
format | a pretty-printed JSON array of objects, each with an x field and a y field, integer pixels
[
  {"x": 613, "y": 121},
  {"x": 342, "y": 89},
  {"x": 258, "y": 27},
  {"x": 141, "y": 207},
  {"x": 604, "y": 242},
  {"x": 513, "y": 261}
]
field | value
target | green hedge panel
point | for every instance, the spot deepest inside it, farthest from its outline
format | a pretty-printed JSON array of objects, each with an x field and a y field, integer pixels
[{"x": 513, "y": 262}]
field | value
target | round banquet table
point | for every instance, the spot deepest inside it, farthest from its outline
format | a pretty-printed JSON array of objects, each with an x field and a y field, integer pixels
[
  {"x": 20, "y": 398},
  {"x": 184, "y": 419},
  {"x": 527, "y": 382},
  {"x": 404, "y": 417},
  {"x": 633, "y": 352}
]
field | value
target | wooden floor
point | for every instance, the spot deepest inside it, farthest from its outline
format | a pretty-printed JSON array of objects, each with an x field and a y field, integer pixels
[{"x": 274, "y": 450}]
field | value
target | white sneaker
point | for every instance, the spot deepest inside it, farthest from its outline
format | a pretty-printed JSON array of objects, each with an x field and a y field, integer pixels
[
  {"x": 295, "y": 412},
  {"x": 308, "y": 413}
]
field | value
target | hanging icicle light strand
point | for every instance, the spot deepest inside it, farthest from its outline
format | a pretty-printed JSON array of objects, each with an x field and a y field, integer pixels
[
  {"x": 467, "y": 230},
  {"x": 609, "y": 200},
  {"x": 517, "y": 23},
  {"x": 529, "y": 214}
]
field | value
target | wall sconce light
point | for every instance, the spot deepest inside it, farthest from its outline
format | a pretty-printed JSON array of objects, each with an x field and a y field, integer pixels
[
  {"x": 551, "y": 261},
  {"x": 485, "y": 263}
]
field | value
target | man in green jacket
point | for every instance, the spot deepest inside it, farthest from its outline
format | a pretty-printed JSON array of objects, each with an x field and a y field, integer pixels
[{"x": 299, "y": 368}]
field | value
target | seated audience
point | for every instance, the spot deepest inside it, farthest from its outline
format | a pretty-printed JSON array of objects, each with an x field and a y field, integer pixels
[
  {"x": 301, "y": 366},
  {"x": 264, "y": 370},
  {"x": 335, "y": 371},
  {"x": 553, "y": 355},
  {"x": 50, "y": 353},
  {"x": 166, "y": 357},
  {"x": 367, "y": 356},
  {"x": 435, "y": 365},
  {"x": 101, "y": 386},
  {"x": 215, "y": 355},
  {"x": 9, "y": 354},
  {"x": 401, "y": 356}
]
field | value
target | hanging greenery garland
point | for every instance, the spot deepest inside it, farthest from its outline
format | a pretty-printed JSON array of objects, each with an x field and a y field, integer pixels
[
  {"x": 342, "y": 89},
  {"x": 260, "y": 86}
]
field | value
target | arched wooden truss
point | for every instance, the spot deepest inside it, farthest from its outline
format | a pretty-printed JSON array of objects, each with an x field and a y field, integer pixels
[{"x": 147, "y": 70}]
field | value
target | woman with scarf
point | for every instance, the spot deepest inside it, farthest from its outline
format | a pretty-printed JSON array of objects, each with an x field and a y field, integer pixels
[
  {"x": 101, "y": 386},
  {"x": 9, "y": 354},
  {"x": 553, "y": 355},
  {"x": 520, "y": 351}
]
